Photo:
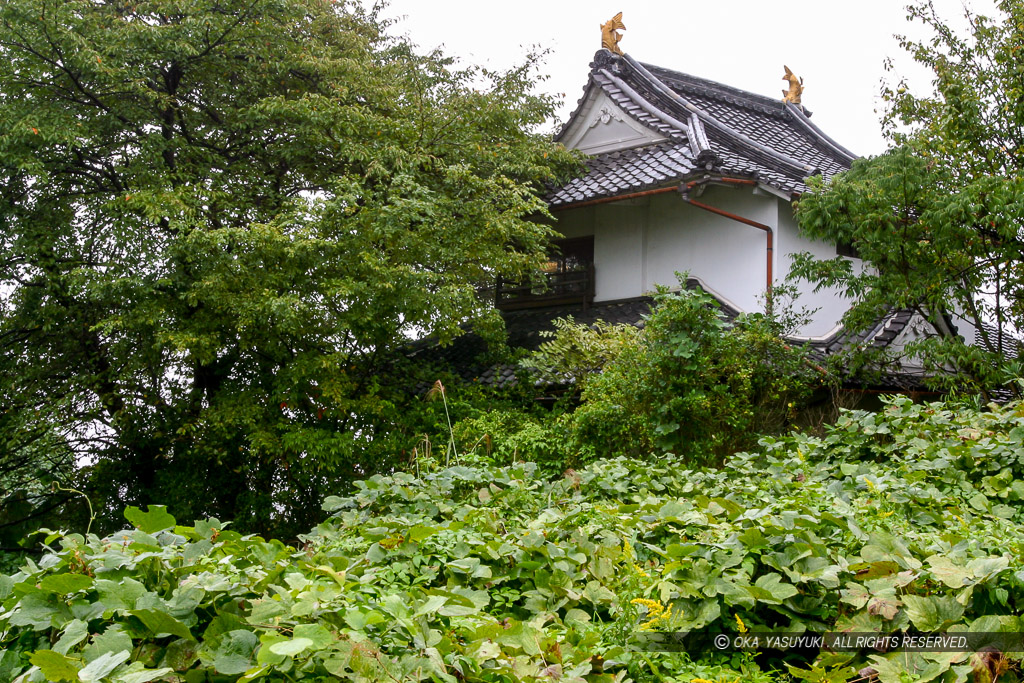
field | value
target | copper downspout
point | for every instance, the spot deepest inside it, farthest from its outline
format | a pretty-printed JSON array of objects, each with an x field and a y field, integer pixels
[
  {"x": 684, "y": 190},
  {"x": 769, "y": 249}
]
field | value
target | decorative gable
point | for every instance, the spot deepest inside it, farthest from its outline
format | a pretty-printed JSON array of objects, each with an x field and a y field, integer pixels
[
  {"x": 915, "y": 329},
  {"x": 605, "y": 127}
]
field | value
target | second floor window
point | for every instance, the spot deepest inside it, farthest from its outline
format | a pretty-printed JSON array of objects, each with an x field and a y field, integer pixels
[{"x": 571, "y": 255}]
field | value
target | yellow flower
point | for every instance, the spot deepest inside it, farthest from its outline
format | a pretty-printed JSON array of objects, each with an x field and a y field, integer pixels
[
  {"x": 653, "y": 606},
  {"x": 701, "y": 680},
  {"x": 740, "y": 625},
  {"x": 655, "y": 612},
  {"x": 870, "y": 484},
  {"x": 639, "y": 570}
]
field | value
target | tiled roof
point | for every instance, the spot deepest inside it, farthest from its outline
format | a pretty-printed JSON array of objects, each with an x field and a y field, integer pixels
[
  {"x": 628, "y": 171},
  {"x": 711, "y": 128}
]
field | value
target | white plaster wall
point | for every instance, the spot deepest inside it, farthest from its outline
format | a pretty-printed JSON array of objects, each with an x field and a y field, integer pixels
[
  {"x": 618, "y": 250},
  {"x": 830, "y": 302},
  {"x": 618, "y": 230},
  {"x": 728, "y": 257},
  {"x": 642, "y": 243}
]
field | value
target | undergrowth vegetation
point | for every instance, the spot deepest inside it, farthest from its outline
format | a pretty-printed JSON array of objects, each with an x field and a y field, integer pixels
[
  {"x": 911, "y": 519},
  {"x": 689, "y": 381}
]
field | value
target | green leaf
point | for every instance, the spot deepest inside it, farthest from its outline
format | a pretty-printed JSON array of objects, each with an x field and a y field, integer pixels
[
  {"x": 6, "y": 584},
  {"x": 819, "y": 674},
  {"x": 264, "y": 611},
  {"x": 770, "y": 589},
  {"x": 316, "y": 634},
  {"x": 101, "y": 667},
  {"x": 933, "y": 613},
  {"x": 332, "y": 503},
  {"x": 900, "y": 667},
  {"x": 155, "y": 519},
  {"x": 161, "y": 624},
  {"x": 419, "y": 532},
  {"x": 947, "y": 572},
  {"x": 290, "y": 648},
  {"x": 121, "y": 594},
  {"x": 235, "y": 652},
  {"x": 256, "y": 674},
  {"x": 358, "y": 618},
  {"x": 985, "y": 567},
  {"x": 180, "y": 654},
  {"x": 597, "y": 594},
  {"x": 138, "y": 673},
  {"x": 865, "y": 571},
  {"x": 75, "y": 632},
  {"x": 979, "y": 502},
  {"x": 55, "y": 666},
  {"x": 432, "y": 604},
  {"x": 36, "y": 610},
  {"x": 112, "y": 641},
  {"x": 577, "y": 616},
  {"x": 856, "y": 595},
  {"x": 65, "y": 583}
]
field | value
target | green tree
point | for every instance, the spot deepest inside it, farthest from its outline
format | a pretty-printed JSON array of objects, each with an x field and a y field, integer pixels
[
  {"x": 219, "y": 219},
  {"x": 939, "y": 216}
]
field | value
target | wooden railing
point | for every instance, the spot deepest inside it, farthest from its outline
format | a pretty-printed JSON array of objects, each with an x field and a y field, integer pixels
[{"x": 570, "y": 287}]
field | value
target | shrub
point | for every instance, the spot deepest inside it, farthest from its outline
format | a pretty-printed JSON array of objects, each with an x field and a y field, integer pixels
[{"x": 689, "y": 382}]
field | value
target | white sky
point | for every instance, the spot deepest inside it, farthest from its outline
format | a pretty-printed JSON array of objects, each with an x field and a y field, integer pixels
[{"x": 837, "y": 46}]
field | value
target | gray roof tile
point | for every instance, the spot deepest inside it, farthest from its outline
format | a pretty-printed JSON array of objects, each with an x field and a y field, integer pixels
[{"x": 743, "y": 134}]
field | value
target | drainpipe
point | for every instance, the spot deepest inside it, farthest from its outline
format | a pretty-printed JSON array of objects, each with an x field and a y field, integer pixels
[{"x": 684, "y": 191}]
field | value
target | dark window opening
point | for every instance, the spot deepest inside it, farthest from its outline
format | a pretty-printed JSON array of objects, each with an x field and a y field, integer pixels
[
  {"x": 568, "y": 277},
  {"x": 571, "y": 255},
  {"x": 847, "y": 249}
]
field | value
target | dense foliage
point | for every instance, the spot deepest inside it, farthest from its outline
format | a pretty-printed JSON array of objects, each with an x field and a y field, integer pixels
[
  {"x": 908, "y": 519},
  {"x": 219, "y": 218},
  {"x": 689, "y": 382},
  {"x": 939, "y": 217}
]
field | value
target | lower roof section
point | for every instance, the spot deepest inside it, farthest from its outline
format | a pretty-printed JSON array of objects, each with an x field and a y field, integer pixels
[{"x": 469, "y": 356}]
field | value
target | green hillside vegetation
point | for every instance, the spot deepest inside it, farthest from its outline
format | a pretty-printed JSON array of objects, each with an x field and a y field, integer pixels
[
  {"x": 222, "y": 223},
  {"x": 908, "y": 519}
]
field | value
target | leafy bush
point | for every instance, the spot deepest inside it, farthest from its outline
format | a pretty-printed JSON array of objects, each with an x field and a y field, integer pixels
[
  {"x": 902, "y": 520},
  {"x": 690, "y": 382},
  {"x": 574, "y": 352},
  {"x": 509, "y": 436}
]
